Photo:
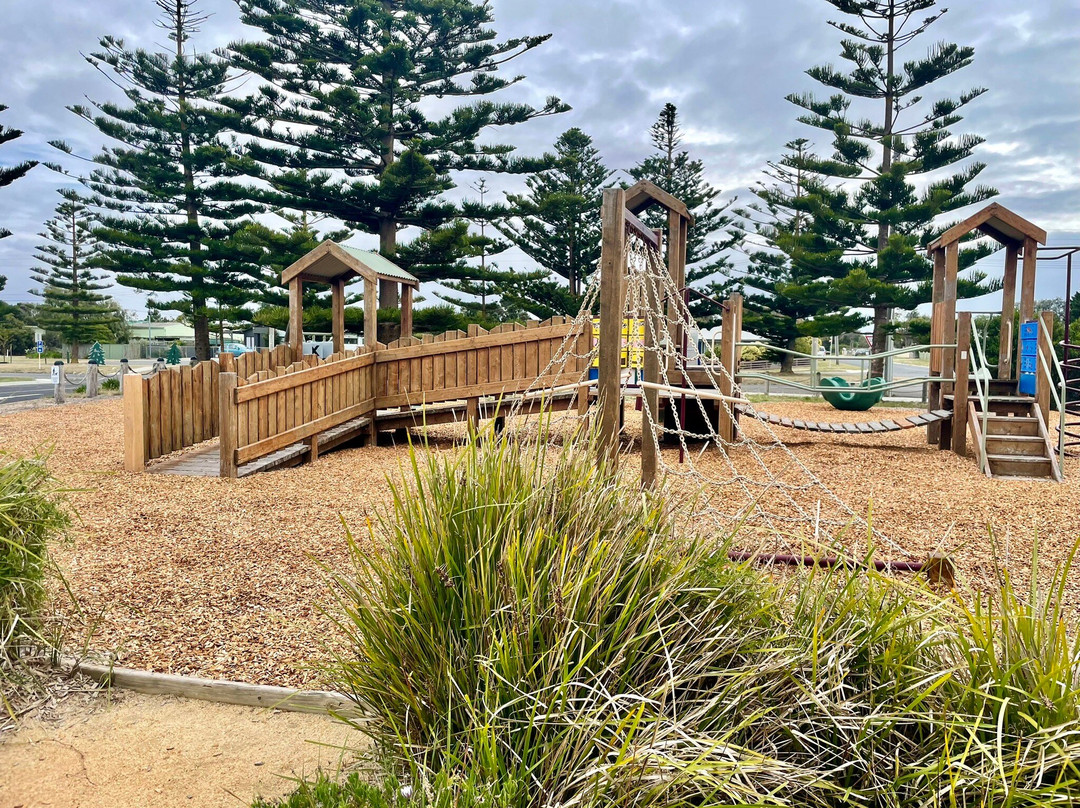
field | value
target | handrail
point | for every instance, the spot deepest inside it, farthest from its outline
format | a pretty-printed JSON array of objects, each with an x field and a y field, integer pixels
[
  {"x": 980, "y": 371},
  {"x": 1058, "y": 392},
  {"x": 884, "y": 388},
  {"x": 846, "y": 357}
]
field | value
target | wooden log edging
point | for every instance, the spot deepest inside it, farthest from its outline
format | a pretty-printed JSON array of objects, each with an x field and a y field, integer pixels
[
  {"x": 215, "y": 690},
  {"x": 937, "y": 568}
]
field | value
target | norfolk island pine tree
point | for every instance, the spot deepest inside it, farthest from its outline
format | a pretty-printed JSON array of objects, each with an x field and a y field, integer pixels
[
  {"x": 72, "y": 304},
  {"x": 787, "y": 283},
  {"x": 340, "y": 128},
  {"x": 712, "y": 235},
  {"x": 8, "y": 174},
  {"x": 168, "y": 203},
  {"x": 875, "y": 157}
]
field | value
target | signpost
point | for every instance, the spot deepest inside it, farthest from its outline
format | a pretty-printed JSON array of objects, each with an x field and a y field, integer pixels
[{"x": 40, "y": 351}]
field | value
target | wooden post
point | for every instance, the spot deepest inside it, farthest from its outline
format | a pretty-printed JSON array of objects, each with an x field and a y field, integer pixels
[
  {"x": 948, "y": 330},
  {"x": 122, "y": 375},
  {"x": 91, "y": 379},
  {"x": 338, "y": 315},
  {"x": 136, "y": 424},
  {"x": 650, "y": 439},
  {"x": 936, "y": 338},
  {"x": 371, "y": 321},
  {"x": 960, "y": 393},
  {"x": 472, "y": 415},
  {"x": 584, "y": 349},
  {"x": 725, "y": 424},
  {"x": 227, "y": 414},
  {"x": 1007, "y": 340},
  {"x": 58, "y": 381},
  {"x": 1043, "y": 378},
  {"x": 296, "y": 316},
  {"x": 406, "y": 310},
  {"x": 612, "y": 269},
  {"x": 1027, "y": 285}
]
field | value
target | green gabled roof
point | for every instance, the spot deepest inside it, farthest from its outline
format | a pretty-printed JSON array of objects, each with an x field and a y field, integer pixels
[
  {"x": 380, "y": 264},
  {"x": 330, "y": 262}
]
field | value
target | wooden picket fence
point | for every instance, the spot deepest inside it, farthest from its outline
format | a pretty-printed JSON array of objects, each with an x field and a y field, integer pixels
[
  {"x": 264, "y": 403},
  {"x": 272, "y": 410},
  {"x": 178, "y": 406}
]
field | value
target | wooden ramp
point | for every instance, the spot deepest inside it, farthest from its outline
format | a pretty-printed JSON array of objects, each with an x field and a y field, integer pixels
[{"x": 863, "y": 428}]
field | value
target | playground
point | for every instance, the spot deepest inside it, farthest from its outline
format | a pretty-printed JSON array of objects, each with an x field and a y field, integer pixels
[
  {"x": 214, "y": 498},
  {"x": 215, "y": 578}
]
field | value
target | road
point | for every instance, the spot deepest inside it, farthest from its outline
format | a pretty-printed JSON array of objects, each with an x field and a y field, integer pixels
[{"x": 35, "y": 387}]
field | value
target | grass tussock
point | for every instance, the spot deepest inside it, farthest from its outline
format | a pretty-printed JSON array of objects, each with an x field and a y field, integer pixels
[
  {"x": 533, "y": 633},
  {"x": 32, "y": 513}
]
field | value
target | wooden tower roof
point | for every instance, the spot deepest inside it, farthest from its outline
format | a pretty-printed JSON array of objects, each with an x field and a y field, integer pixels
[{"x": 996, "y": 221}]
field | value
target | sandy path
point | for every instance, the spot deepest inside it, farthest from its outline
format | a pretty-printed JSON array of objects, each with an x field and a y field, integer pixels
[{"x": 135, "y": 751}]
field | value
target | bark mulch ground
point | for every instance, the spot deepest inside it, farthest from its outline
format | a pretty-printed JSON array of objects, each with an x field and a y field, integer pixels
[{"x": 226, "y": 578}]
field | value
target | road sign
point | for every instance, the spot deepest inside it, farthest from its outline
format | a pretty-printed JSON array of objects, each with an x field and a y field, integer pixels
[
  {"x": 40, "y": 347},
  {"x": 56, "y": 374}
]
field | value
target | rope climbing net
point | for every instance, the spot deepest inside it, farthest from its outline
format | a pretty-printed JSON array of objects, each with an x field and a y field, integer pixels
[{"x": 751, "y": 485}]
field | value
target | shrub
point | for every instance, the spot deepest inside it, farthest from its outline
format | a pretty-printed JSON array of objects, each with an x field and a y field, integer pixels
[
  {"x": 31, "y": 514},
  {"x": 528, "y": 631},
  {"x": 110, "y": 384},
  {"x": 753, "y": 353}
]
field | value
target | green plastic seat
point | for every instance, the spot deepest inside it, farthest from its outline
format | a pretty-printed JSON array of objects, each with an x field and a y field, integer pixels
[{"x": 856, "y": 399}]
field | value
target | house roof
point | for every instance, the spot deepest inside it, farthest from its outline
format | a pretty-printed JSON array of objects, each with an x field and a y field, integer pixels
[
  {"x": 331, "y": 262},
  {"x": 996, "y": 221},
  {"x": 644, "y": 194}
]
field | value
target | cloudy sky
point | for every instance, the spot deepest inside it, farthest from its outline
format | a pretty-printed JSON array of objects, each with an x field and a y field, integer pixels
[{"x": 727, "y": 64}]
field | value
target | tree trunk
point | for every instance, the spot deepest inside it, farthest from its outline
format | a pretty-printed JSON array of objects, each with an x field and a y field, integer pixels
[
  {"x": 882, "y": 314},
  {"x": 388, "y": 290},
  {"x": 202, "y": 335},
  {"x": 880, "y": 339},
  {"x": 787, "y": 361},
  {"x": 73, "y": 353}
]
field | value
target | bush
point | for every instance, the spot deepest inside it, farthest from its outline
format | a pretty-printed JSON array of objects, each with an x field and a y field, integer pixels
[
  {"x": 753, "y": 353},
  {"x": 31, "y": 514},
  {"x": 528, "y": 631}
]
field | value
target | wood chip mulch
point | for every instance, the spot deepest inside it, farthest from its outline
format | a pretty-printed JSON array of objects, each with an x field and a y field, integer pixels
[{"x": 224, "y": 578}]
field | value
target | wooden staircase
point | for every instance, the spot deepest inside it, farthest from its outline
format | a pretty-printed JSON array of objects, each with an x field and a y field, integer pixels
[{"x": 1018, "y": 444}]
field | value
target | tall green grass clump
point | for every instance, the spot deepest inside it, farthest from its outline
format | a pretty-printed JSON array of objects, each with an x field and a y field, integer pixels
[
  {"x": 527, "y": 631},
  {"x": 31, "y": 514}
]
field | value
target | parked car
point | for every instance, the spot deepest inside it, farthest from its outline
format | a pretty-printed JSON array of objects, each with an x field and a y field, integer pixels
[{"x": 236, "y": 349}]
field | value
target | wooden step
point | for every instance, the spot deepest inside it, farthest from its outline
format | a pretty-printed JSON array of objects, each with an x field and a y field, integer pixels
[
  {"x": 997, "y": 387},
  {"x": 1016, "y": 445},
  {"x": 1022, "y": 425},
  {"x": 1018, "y": 466}
]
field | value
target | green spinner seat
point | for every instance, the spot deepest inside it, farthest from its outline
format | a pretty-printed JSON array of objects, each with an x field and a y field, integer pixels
[{"x": 857, "y": 399}]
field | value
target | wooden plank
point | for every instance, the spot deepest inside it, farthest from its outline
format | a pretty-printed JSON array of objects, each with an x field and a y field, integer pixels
[
  {"x": 468, "y": 391},
  {"x": 187, "y": 407},
  {"x": 485, "y": 340},
  {"x": 852, "y": 429},
  {"x": 136, "y": 423},
  {"x": 323, "y": 371},
  {"x": 891, "y": 426},
  {"x": 198, "y": 374},
  {"x": 960, "y": 390},
  {"x": 1027, "y": 283},
  {"x": 168, "y": 444},
  {"x": 371, "y": 324},
  {"x": 799, "y": 424},
  {"x": 1007, "y": 340},
  {"x": 154, "y": 414},
  {"x": 406, "y": 310},
  {"x": 228, "y": 408},
  {"x": 253, "y": 451},
  {"x": 212, "y": 404},
  {"x": 876, "y": 426},
  {"x": 337, "y": 314}
]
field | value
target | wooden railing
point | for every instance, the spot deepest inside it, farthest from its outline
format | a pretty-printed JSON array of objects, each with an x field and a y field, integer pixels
[
  {"x": 274, "y": 409},
  {"x": 262, "y": 403},
  {"x": 457, "y": 366},
  {"x": 177, "y": 407}
]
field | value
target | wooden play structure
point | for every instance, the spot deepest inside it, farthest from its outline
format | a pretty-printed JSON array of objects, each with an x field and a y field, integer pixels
[
  {"x": 1004, "y": 410},
  {"x": 280, "y": 407}
]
